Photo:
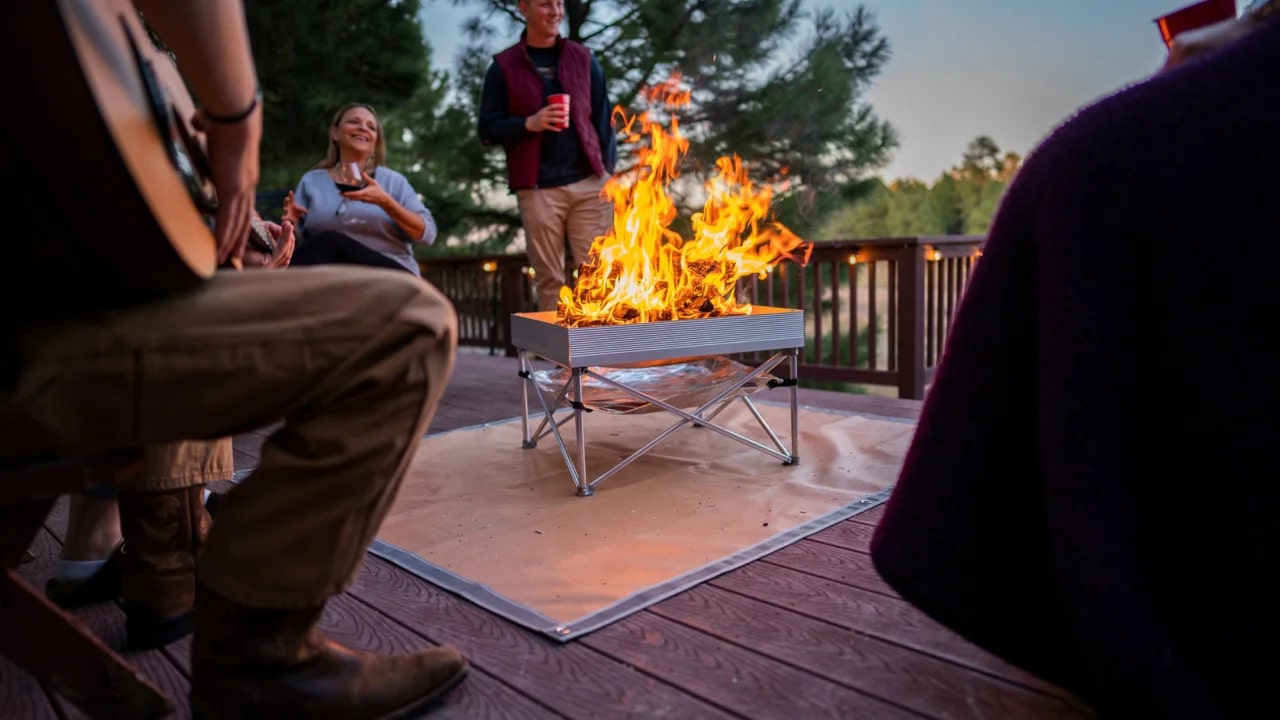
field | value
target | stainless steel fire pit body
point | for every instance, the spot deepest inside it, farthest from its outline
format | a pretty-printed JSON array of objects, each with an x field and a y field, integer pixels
[
  {"x": 780, "y": 330},
  {"x": 766, "y": 328}
]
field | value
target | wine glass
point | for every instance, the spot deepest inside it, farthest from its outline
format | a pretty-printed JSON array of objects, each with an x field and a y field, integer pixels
[{"x": 347, "y": 177}]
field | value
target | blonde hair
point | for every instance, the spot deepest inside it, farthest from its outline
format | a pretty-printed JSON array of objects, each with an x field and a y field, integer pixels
[{"x": 379, "y": 156}]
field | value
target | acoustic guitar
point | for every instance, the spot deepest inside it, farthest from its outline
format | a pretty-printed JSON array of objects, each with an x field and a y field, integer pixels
[{"x": 98, "y": 114}]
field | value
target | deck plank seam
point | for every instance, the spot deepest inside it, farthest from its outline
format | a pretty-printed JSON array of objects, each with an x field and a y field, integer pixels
[
  {"x": 970, "y": 667},
  {"x": 787, "y": 663}
]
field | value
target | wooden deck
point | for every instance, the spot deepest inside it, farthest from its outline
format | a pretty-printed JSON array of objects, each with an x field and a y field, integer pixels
[{"x": 810, "y": 631}]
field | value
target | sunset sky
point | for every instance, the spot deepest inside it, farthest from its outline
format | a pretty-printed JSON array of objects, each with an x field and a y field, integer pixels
[{"x": 1009, "y": 69}]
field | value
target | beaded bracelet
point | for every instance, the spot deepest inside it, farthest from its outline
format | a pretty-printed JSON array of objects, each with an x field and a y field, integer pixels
[{"x": 236, "y": 117}]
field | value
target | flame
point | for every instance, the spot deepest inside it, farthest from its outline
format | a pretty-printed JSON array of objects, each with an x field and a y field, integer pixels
[{"x": 641, "y": 270}]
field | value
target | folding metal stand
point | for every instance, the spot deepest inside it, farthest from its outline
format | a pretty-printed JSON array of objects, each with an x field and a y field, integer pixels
[{"x": 569, "y": 398}]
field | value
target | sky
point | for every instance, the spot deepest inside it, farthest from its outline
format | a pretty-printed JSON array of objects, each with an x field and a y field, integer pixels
[{"x": 1012, "y": 70}]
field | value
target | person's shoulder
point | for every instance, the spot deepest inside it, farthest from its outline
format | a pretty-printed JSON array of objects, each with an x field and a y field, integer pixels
[
  {"x": 513, "y": 48},
  {"x": 383, "y": 174},
  {"x": 313, "y": 176},
  {"x": 575, "y": 47}
]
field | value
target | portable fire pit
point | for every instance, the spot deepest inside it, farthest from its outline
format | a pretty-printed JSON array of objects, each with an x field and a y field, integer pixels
[{"x": 585, "y": 351}]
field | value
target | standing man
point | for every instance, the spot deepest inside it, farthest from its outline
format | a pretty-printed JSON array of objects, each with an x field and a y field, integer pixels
[{"x": 557, "y": 160}]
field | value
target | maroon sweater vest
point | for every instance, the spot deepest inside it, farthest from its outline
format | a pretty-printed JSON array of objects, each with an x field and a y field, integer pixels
[{"x": 525, "y": 97}]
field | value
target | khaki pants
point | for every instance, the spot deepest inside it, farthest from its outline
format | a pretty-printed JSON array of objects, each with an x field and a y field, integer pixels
[
  {"x": 352, "y": 359},
  {"x": 182, "y": 464},
  {"x": 577, "y": 211}
]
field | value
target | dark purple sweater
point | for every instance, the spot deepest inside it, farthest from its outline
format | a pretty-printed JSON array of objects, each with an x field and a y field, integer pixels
[{"x": 1092, "y": 490}]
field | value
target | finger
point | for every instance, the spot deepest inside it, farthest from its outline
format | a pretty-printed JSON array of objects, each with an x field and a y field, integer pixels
[{"x": 232, "y": 228}]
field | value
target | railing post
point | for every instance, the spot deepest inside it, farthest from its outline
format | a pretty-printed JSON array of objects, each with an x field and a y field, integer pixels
[
  {"x": 512, "y": 283},
  {"x": 911, "y": 370}
]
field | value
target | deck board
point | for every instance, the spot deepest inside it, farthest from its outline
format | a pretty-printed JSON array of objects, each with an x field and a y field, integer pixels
[
  {"x": 571, "y": 679},
  {"x": 931, "y": 687},
  {"x": 740, "y": 679},
  {"x": 808, "y": 631}
]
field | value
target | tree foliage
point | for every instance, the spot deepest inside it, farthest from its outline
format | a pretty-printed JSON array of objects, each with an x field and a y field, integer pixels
[
  {"x": 782, "y": 88},
  {"x": 313, "y": 56},
  {"x": 962, "y": 200}
]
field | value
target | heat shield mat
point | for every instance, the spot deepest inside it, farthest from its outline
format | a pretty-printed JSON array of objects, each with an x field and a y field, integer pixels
[{"x": 500, "y": 525}]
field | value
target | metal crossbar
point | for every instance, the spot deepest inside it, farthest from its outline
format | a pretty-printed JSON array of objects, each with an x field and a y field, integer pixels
[{"x": 569, "y": 398}]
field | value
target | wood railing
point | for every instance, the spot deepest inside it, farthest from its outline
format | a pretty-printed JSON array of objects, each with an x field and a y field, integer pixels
[{"x": 877, "y": 311}]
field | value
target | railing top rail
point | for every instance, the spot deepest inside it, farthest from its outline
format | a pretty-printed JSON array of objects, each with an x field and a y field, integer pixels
[
  {"x": 503, "y": 259},
  {"x": 823, "y": 245},
  {"x": 911, "y": 241}
]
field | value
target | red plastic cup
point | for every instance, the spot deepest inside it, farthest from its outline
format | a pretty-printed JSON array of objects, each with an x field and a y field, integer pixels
[
  {"x": 1198, "y": 15},
  {"x": 561, "y": 99}
]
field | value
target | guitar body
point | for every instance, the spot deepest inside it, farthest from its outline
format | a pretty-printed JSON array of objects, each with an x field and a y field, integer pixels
[{"x": 99, "y": 153}]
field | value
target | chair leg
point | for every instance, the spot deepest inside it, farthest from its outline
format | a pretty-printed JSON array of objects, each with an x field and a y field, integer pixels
[{"x": 58, "y": 650}]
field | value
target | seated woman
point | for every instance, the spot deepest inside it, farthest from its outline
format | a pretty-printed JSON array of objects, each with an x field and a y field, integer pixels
[{"x": 375, "y": 225}]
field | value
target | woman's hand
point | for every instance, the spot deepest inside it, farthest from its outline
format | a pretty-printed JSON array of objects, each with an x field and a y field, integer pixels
[
  {"x": 372, "y": 192},
  {"x": 410, "y": 223},
  {"x": 293, "y": 212}
]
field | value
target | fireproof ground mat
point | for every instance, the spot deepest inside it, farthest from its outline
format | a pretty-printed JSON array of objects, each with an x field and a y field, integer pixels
[{"x": 501, "y": 526}]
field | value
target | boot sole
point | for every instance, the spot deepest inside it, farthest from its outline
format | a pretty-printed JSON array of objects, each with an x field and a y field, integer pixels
[
  {"x": 426, "y": 702},
  {"x": 413, "y": 709}
]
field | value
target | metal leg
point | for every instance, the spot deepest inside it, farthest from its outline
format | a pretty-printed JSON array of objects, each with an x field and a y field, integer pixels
[
  {"x": 584, "y": 487},
  {"x": 795, "y": 407},
  {"x": 526, "y": 373}
]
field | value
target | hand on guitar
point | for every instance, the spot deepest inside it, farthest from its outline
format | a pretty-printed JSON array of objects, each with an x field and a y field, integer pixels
[
  {"x": 284, "y": 244},
  {"x": 233, "y": 168}
]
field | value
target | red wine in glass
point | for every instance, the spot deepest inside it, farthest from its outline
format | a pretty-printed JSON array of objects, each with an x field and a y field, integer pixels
[{"x": 348, "y": 178}]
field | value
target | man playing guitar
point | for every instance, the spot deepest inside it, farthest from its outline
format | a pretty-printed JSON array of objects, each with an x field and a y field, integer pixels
[{"x": 120, "y": 347}]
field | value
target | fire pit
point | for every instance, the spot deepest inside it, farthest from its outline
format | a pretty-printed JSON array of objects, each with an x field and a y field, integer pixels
[
  {"x": 588, "y": 352},
  {"x": 648, "y": 296}
]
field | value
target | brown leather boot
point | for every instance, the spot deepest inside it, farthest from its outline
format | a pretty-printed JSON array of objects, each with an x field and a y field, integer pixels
[
  {"x": 164, "y": 532},
  {"x": 249, "y": 663}
]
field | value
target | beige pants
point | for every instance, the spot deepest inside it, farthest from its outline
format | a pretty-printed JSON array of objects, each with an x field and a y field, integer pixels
[
  {"x": 352, "y": 359},
  {"x": 183, "y": 464},
  {"x": 577, "y": 211}
]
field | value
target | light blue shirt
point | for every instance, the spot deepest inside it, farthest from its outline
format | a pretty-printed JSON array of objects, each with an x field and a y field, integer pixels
[{"x": 365, "y": 222}]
